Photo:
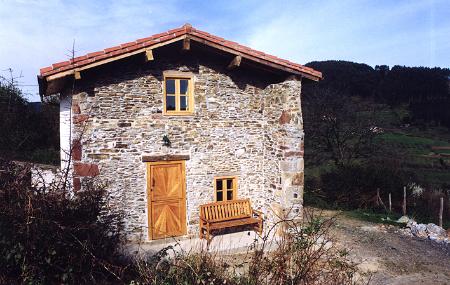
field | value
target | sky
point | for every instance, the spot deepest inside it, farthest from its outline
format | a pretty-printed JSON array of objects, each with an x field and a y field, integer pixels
[{"x": 35, "y": 34}]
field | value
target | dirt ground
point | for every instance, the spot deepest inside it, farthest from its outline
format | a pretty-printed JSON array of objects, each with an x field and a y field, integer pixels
[{"x": 392, "y": 257}]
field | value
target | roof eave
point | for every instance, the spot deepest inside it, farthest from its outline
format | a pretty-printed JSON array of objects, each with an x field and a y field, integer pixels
[{"x": 72, "y": 67}]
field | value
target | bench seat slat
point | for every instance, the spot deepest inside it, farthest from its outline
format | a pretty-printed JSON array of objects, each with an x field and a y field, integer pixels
[{"x": 233, "y": 223}]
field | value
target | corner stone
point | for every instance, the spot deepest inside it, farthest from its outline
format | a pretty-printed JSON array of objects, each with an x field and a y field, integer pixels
[{"x": 85, "y": 169}]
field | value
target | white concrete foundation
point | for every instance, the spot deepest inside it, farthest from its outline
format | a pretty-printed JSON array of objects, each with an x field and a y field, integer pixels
[{"x": 226, "y": 243}]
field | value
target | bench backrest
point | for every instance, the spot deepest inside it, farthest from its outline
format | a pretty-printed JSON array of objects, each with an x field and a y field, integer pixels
[{"x": 228, "y": 210}]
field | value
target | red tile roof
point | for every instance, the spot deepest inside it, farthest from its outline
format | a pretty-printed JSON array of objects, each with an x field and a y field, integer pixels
[{"x": 187, "y": 29}]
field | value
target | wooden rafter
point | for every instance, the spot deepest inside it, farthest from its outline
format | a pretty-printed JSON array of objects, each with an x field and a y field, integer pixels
[
  {"x": 186, "y": 44},
  {"x": 77, "y": 74},
  {"x": 149, "y": 55},
  {"x": 235, "y": 62}
]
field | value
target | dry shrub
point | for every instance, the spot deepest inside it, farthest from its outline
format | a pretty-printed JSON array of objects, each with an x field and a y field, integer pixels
[
  {"x": 53, "y": 237},
  {"x": 303, "y": 255},
  {"x": 174, "y": 266}
]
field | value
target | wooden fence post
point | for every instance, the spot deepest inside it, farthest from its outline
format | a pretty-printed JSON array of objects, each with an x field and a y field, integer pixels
[
  {"x": 379, "y": 201},
  {"x": 390, "y": 203},
  {"x": 404, "y": 201},
  {"x": 441, "y": 211}
]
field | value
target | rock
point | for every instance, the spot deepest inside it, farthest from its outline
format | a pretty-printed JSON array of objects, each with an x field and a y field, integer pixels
[
  {"x": 240, "y": 152},
  {"x": 411, "y": 223},
  {"x": 419, "y": 230},
  {"x": 403, "y": 220},
  {"x": 322, "y": 243},
  {"x": 434, "y": 230},
  {"x": 430, "y": 231}
]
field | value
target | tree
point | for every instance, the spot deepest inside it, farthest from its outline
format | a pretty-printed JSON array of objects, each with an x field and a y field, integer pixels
[
  {"x": 26, "y": 132},
  {"x": 339, "y": 127}
]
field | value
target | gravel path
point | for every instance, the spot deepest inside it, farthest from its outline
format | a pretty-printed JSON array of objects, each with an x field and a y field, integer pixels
[{"x": 392, "y": 257}]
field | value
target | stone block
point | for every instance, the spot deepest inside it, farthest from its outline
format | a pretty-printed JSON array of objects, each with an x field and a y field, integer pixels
[
  {"x": 297, "y": 179},
  {"x": 98, "y": 156},
  {"x": 293, "y": 153},
  {"x": 85, "y": 169},
  {"x": 285, "y": 118},
  {"x": 76, "y": 184},
  {"x": 123, "y": 125},
  {"x": 78, "y": 119},
  {"x": 76, "y": 108},
  {"x": 76, "y": 150}
]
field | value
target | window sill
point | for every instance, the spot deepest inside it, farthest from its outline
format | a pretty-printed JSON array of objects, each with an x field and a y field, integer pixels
[{"x": 178, "y": 114}]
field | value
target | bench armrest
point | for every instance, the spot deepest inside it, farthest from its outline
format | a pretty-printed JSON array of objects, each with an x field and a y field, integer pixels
[{"x": 258, "y": 214}]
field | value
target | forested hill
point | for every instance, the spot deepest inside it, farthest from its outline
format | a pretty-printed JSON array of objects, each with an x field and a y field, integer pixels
[
  {"x": 425, "y": 91},
  {"x": 371, "y": 130}
]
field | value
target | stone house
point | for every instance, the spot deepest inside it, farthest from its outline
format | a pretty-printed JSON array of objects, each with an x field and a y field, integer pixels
[{"x": 202, "y": 117}]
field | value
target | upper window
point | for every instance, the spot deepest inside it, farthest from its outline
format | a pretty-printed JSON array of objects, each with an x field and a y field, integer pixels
[
  {"x": 178, "y": 98},
  {"x": 225, "y": 188}
]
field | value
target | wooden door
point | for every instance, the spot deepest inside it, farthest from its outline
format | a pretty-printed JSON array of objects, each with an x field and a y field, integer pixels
[{"x": 167, "y": 197}]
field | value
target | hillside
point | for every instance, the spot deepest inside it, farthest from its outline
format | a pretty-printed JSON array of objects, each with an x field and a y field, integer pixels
[{"x": 377, "y": 128}]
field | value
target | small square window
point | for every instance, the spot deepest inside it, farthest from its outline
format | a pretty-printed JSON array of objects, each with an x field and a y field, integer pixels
[
  {"x": 225, "y": 188},
  {"x": 178, "y": 95}
]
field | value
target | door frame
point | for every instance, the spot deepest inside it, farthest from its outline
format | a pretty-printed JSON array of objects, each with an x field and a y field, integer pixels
[{"x": 149, "y": 197}]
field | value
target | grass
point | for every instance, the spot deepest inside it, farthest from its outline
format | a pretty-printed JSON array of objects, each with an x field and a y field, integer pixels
[
  {"x": 429, "y": 169},
  {"x": 433, "y": 176},
  {"x": 370, "y": 216},
  {"x": 413, "y": 144},
  {"x": 382, "y": 218}
]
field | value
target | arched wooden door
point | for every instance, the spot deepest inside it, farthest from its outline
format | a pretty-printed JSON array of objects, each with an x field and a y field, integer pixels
[{"x": 167, "y": 199}]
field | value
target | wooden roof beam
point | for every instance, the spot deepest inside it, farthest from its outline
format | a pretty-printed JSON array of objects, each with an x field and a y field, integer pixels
[
  {"x": 236, "y": 62},
  {"x": 77, "y": 74},
  {"x": 186, "y": 44},
  {"x": 149, "y": 55}
]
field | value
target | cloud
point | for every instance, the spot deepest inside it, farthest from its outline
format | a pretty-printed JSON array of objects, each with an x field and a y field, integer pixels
[
  {"x": 35, "y": 34},
  {"x": 385, "y": 32}
]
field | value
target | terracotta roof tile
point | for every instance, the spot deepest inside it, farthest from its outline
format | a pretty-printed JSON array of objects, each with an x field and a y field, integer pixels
[
  {"x": 144, "y": 39},
  {"x": 127, "y": 44},
  {"x": 60, "y": 64},
  {"x": 93, "y": 54},
  {"x": 78, "y": 58},
  {"x": 45, "y": 69},
  {"x": 112, "y": 49},
  {"x": 165, "y": 36}
]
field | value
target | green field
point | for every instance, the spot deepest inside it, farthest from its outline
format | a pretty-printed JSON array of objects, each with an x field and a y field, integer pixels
[
  {"x": 426, "y": 163},
  {"x": 413, "y": 144}
]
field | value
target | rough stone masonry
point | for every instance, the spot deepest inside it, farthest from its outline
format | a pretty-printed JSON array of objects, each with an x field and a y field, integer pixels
[{"x": 244, "y": 125}]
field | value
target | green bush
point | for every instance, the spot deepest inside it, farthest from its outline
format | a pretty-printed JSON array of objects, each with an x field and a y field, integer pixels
[{"x": 355, "y": 186}]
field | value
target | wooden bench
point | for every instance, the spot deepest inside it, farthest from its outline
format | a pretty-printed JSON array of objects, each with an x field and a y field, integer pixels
[{"x": 221, "y": 215}]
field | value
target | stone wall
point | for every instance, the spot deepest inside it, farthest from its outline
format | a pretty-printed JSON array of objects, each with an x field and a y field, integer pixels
[{"x": 246, "y": 127}]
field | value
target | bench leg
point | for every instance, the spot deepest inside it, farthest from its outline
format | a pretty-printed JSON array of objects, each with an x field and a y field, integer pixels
[
  {"x": 208, "y": 235},
  {"x": 258, "y": 228},
  {"x": 201, "y": 225}
]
